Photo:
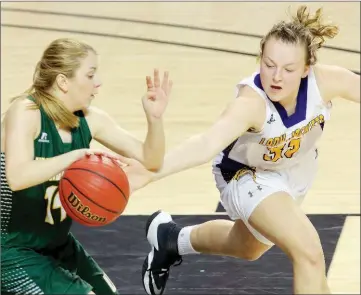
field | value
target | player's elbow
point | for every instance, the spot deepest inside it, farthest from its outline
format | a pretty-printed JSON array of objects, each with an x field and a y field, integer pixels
[
  {"x": 154, "y": 165},
  {"x": 15, "y": 178},
  {"x": 152, "y": 157},
  {"x": 152, "y": 161},
  {"x": 13, "y": 182}
]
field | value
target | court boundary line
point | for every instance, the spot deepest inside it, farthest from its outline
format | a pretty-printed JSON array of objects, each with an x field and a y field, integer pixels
[
  {"x": 174, "y": 25},
  {"x": 115, "y": 36}
]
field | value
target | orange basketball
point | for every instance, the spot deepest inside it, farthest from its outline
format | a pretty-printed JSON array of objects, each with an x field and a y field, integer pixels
[{"x": 94, "y": 191}]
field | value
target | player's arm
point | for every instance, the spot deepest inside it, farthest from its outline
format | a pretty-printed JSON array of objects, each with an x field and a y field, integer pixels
[
  {"x": 240, "y": 115},
  {"x": 106, "y": 131},
  {"x": 339, "y": 82},
  {"x": 22, "y": 171}
]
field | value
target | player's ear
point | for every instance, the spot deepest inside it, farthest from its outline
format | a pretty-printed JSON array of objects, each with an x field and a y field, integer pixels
[{"x": 62, "y": 82}]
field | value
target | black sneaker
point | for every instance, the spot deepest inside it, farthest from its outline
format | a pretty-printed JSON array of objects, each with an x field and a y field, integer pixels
[{"x": 162, "y": 234}]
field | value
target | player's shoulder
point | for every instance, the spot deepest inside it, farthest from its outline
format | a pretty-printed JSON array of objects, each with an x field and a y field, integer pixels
[
  {"x": 25, "y": 108},
  {"x": 249, "y": 100},
  {"x": 96, "y": 118},
  {"x": 24, "y": 111},
  {"x": 321, "y": 68},
  {"x": 246, "y": 90},
  {"x": 330, "y": 73},
  {"x": 249, "y": 87},
  {"x": 250, "y": 96},
  {"x": 328, "y": 78}
]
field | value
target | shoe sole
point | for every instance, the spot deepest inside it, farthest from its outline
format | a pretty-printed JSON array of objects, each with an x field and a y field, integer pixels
[{"x": 146, "y": 276}]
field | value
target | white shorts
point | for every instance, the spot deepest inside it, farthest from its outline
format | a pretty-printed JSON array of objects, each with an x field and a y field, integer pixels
[{"x": 243, "y": 194}]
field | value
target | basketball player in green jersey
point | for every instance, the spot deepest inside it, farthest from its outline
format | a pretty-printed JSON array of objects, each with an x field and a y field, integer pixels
[{"x": 43, "y": 132}]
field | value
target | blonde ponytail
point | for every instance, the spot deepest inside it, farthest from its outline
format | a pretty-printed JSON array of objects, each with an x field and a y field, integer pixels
[{"x": 305, "y": 29}]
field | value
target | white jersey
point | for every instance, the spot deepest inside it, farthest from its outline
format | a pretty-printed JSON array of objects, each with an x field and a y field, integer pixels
[{"x": 284, "y": 140}]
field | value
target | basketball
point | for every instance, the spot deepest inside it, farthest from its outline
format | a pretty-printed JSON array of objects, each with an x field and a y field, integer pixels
[{"x": 94, "y": 191}]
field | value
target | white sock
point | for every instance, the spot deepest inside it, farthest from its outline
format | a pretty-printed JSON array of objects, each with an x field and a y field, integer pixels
[{"x": 184, "y": 241}]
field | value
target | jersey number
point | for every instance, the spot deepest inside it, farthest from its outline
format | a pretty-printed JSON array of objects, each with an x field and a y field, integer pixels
[
  {"x": 53, "y": 203},
  {"x": 287, "y": 150}
]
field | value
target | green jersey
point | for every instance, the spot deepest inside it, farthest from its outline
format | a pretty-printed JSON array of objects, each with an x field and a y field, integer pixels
[{"x": 33, "y": 217}]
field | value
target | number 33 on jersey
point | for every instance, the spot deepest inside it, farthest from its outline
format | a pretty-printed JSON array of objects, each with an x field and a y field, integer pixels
[{"x": 284, "y": 140}]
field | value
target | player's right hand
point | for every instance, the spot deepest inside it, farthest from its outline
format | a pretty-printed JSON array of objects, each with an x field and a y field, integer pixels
[{"x": 98, "y": 152}]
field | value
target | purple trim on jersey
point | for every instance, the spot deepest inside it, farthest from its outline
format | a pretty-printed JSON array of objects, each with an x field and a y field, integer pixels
[
  {"x": 301, "y": 107},
  {"x": 228, "y": 166}
]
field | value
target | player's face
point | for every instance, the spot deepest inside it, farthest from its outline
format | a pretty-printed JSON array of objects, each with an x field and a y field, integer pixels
[
  {"x": 84, "y": 85},
  {"x": 282, "y": 67}
]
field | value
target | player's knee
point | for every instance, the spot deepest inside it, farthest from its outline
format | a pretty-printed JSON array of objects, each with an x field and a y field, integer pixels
[
  {"x": 245, "y": 245},
  {"x": 309, "y": 253},
  {"x": 245, "y": 251},
  {"x": 250, "y": 255},
  {"x": 249, "y": 252}
]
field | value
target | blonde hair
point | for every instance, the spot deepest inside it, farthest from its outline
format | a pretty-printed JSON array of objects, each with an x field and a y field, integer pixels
[
  {"x": 303, "y": 29},
  {"x": 62, "y": 56}
]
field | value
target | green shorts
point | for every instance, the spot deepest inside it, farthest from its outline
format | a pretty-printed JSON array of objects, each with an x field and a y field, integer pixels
[{"x": 68, "y": 270}]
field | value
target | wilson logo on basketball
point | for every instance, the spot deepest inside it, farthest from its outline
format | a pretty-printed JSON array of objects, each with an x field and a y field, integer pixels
[{"x": 84, "y": 210}]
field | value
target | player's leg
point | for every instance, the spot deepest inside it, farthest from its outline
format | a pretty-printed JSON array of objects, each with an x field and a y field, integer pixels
[
  {"x": 169, "y": 241},
  {"x": 218, "y": 237},
  {"x": 24, "y": 271},
  {"x": 224, "y": 237},
  {"x": 87, "y": 268},
  {"x": 280, "y": 219},
  {"x": 240, "y": 198},
  {"x": 277, "y": 218},
  {"x": 221, "y": 237}
]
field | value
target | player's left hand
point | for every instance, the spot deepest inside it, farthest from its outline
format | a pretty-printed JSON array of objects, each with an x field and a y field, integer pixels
[{"x": 156, "y": 98}]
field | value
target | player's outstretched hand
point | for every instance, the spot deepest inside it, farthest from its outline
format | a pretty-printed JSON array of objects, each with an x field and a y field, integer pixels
[
  {"x": 138, "y": 175},
  {"x": 156, "y": 98}
]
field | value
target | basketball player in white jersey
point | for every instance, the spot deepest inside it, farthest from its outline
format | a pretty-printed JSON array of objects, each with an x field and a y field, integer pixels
[{"x": 265, "y": 152}]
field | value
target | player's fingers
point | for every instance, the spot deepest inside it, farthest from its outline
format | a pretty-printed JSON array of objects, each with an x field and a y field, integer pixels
[
  {"x": 170, "y": 85},
  {"x": 165, "y": 81},
  {"x": 156, "y": 78},
  {"x": 151, "y": 95},
  {"x": 149, "y": 82},
  {"x": 125, "y": 160},
  {"x": 101, "y": 153},
  {"x": 111, "y": 156}
]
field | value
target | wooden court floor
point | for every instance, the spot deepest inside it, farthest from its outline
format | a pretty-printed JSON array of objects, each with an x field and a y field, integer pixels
[{"x": 208, "y": 48}]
